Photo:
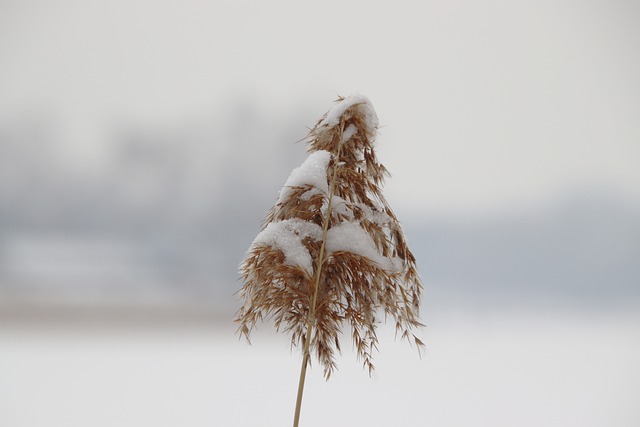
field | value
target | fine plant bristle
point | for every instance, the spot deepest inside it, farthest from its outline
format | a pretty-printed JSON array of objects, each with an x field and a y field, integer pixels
[{"x": 332, "y": 254}]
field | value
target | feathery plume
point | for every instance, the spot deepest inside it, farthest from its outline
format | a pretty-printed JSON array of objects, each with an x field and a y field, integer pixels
[{"x": 331, "y": 252}]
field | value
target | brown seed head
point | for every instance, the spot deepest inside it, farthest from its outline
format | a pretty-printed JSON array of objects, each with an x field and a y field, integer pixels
[{"x": 367, "y": 270}]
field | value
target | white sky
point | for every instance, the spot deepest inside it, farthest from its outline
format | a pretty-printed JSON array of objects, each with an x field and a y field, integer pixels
[{"x": 485, "y": 105}]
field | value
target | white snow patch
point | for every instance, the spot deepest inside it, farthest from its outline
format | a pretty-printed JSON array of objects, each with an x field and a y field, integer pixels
[
  {"x": 349, "y": 132},
  {"x": 313, "y": 172},
  {"x": 310, "y": 193},
  {"x": 333, "y": 116},
  {"x": 351, "y": 237},
  {"x": 375, "y": 214},
  {"x": 341, "y": 206},
  {"x": 287, "y": 235}
]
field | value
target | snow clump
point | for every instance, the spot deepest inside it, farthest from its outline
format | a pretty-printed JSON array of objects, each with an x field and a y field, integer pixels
[
  {"x": 351, "y": 237},
  {"x": 287, "y": 236},
  {"x": 333, "y": 116},
  {"x": 312, "y": 172}
]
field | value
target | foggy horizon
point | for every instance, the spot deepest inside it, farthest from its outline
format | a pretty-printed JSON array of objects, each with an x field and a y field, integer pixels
[{"x": 142, "y": 143}]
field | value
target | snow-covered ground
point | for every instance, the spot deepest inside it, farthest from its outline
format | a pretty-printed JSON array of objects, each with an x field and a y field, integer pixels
[{"x": 481, "y": 369}]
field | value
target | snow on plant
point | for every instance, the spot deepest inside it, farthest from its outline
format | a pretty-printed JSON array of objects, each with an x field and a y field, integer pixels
[{"x": 332, "y": 253}]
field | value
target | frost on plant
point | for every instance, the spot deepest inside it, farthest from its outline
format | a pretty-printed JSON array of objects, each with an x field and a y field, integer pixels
[{"x": 332, "y": 253}]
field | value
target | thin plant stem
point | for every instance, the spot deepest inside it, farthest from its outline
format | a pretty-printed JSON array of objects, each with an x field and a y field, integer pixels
[
  {"x": 367, "y": 267},
  {"x": 318, "y": 276}
]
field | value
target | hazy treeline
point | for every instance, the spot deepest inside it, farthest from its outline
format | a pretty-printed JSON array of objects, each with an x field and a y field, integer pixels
[{"x": 174, "y": 207}]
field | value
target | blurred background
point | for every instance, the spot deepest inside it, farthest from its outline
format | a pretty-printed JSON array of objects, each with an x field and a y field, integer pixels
[{"x": 142, "y": 142}]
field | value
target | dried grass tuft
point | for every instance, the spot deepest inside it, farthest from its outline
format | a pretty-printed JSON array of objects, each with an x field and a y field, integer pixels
[{"x": 344, "y": 288}]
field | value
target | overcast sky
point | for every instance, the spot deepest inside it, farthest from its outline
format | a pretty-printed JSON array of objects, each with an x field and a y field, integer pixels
[{"x": 485, "y": 106}]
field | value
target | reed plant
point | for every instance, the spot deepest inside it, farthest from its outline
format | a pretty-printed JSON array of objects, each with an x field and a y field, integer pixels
[{"x": 332, "y": 253}]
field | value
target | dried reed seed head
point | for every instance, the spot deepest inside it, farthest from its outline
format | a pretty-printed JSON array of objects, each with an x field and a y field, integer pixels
[
  {"x": 352, "y": 121},
  {"x": 366, "y": 268}
]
